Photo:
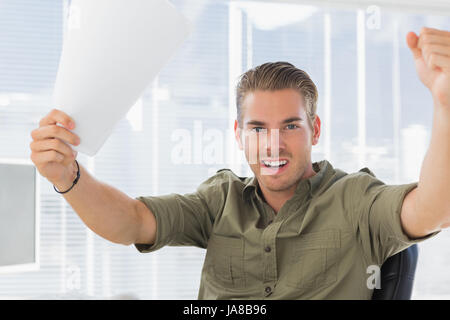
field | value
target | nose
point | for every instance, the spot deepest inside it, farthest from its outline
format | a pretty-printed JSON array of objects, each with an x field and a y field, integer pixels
[{"x": 272, "y": 144}]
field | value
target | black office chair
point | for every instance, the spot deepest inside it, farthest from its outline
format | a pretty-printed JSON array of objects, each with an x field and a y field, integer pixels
[{"x": 397, "y": 276}]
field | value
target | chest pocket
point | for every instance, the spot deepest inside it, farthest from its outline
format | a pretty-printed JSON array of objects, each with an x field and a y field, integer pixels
[
  {"x": 315, "y": 259},
  {"x": 224, "y": 261}
]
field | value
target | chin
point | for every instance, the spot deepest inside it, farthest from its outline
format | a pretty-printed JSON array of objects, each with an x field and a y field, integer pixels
[
  {"x": 278, "y": 185},
  {"x": 285, "y": 181},
  {"x": 274, "y": 183}
]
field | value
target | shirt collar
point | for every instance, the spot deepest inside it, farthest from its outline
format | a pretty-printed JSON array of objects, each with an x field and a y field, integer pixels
[{"x": 323, "y": 170}]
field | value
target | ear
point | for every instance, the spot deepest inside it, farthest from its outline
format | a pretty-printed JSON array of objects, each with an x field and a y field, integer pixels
[
  {"x": 237, "y": 134},
  {"x": 316, "y": 135}
]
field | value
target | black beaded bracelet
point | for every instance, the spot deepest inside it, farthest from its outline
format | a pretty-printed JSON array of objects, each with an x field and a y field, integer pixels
[{"x": 74, "y": 181}]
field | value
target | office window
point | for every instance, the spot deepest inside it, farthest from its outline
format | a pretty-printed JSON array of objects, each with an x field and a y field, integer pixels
[{"x": 374, "y": 111}]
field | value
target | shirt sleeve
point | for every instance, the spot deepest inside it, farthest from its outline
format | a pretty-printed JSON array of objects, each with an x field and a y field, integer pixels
[
  {"x": 185, "y": 220},
  {"x": 377, "y": 209}
]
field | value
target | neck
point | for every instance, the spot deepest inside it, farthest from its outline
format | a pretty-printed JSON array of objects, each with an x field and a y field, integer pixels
[{"x": 276, "y": 199}]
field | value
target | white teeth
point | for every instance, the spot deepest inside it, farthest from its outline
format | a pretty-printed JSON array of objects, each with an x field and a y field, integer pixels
[{"x": 274, "y": 163}]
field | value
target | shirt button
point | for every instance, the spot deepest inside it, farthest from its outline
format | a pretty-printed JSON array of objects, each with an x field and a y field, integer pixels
[
  {"x": 267, "y": 249},
  {"x": 268, "y": 290}
]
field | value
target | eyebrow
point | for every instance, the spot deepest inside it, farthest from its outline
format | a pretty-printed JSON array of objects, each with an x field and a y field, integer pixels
[{"x": 261, "y": 123}]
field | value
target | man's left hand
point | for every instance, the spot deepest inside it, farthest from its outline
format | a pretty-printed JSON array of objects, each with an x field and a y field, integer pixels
[{"x": 431, "y": 51}]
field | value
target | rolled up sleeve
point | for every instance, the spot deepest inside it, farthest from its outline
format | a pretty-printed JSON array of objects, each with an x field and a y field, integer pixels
[
  {"x": 185, "y": 220},
  {"x": 378, "y": 217}
]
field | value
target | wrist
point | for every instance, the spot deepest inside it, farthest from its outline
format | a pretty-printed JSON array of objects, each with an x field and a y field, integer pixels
[
  {"x": 441, "y": 100},
  {"x": 68, "y": 180}
]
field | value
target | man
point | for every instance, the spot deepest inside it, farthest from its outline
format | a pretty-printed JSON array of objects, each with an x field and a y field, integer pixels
[{"x": 297, "y": 229}]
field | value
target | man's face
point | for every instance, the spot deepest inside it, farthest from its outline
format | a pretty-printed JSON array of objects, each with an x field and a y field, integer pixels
[{"x": 276, "y": 128}]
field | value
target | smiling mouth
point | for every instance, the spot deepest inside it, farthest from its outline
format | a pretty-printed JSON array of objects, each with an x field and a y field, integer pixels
[{"x": 274, "y": 164}]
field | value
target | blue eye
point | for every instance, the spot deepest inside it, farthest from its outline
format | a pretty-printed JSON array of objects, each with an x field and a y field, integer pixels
[
  {"x": 258, "y": 129},
  {"x": 290, "y": 125}
]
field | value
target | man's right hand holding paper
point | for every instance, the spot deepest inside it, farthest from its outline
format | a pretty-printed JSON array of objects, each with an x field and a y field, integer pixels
[{"x": 51, "y": 151}]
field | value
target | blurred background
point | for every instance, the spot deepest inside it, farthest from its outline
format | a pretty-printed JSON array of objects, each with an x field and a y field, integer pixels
[{"x": 375, "y": 112}]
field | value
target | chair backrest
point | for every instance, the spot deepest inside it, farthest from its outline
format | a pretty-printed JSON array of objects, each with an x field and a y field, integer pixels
[{"x": 397, "y": 276}]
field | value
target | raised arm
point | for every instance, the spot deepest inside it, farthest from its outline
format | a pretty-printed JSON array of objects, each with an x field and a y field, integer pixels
[
  {"x": 427, "y": 208},
  {"x": 105, "y": 210}
]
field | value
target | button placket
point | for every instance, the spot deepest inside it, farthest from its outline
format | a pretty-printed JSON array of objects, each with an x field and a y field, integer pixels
[
  {"x": 269, "y": 254},
  {"x": 269, "y": 213}
]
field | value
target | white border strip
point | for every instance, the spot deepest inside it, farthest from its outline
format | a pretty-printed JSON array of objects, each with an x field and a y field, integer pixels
[{"x": 433, "y": 7}]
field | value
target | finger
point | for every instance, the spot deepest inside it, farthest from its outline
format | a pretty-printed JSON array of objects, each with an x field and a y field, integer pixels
[
  {"x": 412, "y": 41},
  {"x": 427, "y": 40},
  {"x": 426, "y": 30},
  {"x": 433, "y": 39},
  {"x": 40, "y": 158},
  {"x": 435, "y": 48},
  {"x": 52, "y": 144},
  {"x": 438, "y": 60},
  {"x": 57, "y": 116},
  {"x": 54, "y": 131}
]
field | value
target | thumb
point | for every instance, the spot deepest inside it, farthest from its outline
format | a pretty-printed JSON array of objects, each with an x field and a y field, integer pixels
[{"x": 413, "y": 40}]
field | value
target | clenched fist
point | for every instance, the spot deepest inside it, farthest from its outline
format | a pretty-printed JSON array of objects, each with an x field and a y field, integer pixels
[{"x": 431, "y": 51}]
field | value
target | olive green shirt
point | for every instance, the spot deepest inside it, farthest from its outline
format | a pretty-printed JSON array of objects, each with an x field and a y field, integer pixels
[{"x": 318, "y": 246}]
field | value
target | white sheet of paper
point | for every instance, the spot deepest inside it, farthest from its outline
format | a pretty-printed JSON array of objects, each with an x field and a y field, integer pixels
[{"x": 112, "y": 51}]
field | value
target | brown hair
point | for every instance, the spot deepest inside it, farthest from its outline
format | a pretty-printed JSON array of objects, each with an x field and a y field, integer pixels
[{"x": 277, "y": 76}]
